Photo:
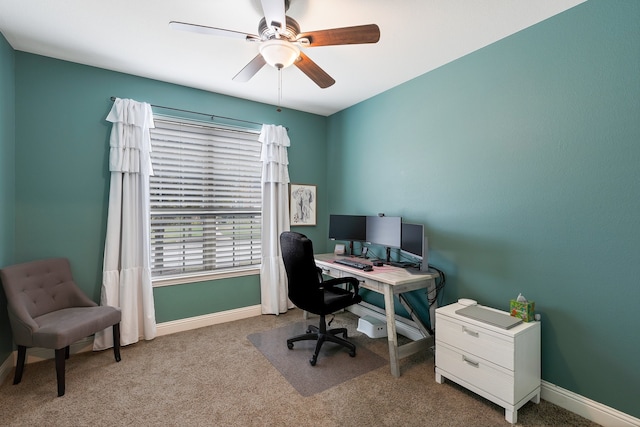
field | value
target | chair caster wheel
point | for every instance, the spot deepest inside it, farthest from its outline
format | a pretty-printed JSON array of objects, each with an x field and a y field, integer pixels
[
  {"x": 308, "y": 331},
  {"x": 313, "y": 360},
  {"x": 290, "y": 345},
  {"x": 352, "y": 353}
]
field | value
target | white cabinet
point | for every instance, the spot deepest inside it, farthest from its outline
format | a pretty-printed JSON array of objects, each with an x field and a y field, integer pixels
[{"x": 501, "y": 365}]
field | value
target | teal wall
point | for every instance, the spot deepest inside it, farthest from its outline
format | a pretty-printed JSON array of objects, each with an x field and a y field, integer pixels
[
  {"x": 62, "y": 181},
  {"x": 7, "y": 180},
  {"x": 523, "y": 161}
]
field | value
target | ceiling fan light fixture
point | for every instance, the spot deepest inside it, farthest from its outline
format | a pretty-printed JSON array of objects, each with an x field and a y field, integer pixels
[{"x": 279, "y": 53}]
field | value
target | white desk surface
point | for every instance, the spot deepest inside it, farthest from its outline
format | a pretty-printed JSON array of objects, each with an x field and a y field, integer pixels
[{"x": 401, "y": 279}]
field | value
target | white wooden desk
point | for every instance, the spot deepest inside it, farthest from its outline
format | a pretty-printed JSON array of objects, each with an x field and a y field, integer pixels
[{"x": 388, "y": 281}]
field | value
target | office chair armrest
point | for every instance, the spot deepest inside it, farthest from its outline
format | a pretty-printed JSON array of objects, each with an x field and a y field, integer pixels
[{"x": 355, "y": 283}]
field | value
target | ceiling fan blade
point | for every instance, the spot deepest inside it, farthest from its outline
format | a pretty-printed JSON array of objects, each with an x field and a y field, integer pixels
[
  {"x": 250, "y": 69},
  {"x": 314, "y": 72},
  {"x": 193, "y": 28},
  {"x": 274, "y": 14},
  {"x": 347, "y": 35}
]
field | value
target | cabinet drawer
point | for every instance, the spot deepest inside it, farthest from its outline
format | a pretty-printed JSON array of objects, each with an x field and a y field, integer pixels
[
  {"x": 476, "y": 371},
  {"x": 478, "y": 341},
  {"x": 330, "y": 271},
  {"x": 373, "y": 285}
]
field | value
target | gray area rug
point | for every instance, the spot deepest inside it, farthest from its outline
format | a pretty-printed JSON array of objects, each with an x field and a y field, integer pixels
[{"x": 334, "y": 364}]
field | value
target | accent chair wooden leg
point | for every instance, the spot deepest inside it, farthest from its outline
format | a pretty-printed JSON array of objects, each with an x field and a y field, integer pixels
[
  {"x": 116, "y": 341},
  {"x": 66, "y": 351},
  {"x": 22, "y": 355},
  {"x": 60, "y": 359}
]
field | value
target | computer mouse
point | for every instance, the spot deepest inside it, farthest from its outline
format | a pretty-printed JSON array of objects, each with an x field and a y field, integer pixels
[{"x": 367, "y": 268}]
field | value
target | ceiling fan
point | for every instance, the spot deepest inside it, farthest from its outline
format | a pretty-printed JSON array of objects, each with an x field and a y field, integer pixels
[{"x": 280, "y": 40}]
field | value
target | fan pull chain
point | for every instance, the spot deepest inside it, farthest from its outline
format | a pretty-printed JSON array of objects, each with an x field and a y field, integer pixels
[{"x": 279, "y": 89}]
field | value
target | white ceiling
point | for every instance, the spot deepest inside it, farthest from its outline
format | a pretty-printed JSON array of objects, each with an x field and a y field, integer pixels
[{"x": 132, "y": 36}]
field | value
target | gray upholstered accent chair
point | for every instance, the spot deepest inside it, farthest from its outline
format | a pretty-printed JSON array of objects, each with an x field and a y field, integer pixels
[{"x": 47, "y": 309}]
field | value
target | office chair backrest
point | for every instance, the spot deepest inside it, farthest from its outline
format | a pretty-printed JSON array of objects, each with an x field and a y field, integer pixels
[
  {"x": 41, "y": 287},
  {"x": 302, "y": 273}
]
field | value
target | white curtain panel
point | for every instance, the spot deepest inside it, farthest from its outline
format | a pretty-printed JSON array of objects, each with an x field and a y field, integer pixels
[
  {"x": 275, "y": 218},
  {"x": 126, "y": 277}
]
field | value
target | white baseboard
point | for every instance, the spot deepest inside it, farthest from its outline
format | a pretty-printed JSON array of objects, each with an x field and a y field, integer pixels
[
  {"x": 586, "y": 408},
  {"x": 182, "y": 325}
]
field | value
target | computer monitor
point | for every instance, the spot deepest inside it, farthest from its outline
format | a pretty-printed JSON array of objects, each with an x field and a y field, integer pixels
[
  {"x": 412, "y": 239},
  {"x": 348, "y": 228},
  {"x": 384, "y": 231},
  {"x": 414, "y": 243}
]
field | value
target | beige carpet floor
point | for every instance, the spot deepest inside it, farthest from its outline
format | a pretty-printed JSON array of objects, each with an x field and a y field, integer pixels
[{"x": 214, "y": 376}]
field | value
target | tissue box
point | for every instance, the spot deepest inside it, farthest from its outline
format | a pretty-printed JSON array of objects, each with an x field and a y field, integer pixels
[{"x": 522, "y": 310}]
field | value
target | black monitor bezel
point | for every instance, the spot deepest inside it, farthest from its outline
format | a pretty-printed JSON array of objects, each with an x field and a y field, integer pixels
[
  {"x": 405, "y": 246},
  {"x": 357, "y": 229}
]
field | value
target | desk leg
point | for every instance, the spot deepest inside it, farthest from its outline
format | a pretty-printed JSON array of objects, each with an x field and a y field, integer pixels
[{"x": 389, "y": 309}]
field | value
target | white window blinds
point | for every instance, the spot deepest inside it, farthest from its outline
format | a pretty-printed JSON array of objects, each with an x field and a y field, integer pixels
[{"x": 205, "y": 198}]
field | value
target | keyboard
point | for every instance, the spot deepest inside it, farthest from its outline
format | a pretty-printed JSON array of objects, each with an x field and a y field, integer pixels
[{"x": 354, "y": 264}]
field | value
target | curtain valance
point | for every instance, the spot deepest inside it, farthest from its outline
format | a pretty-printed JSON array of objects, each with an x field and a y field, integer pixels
[
  {"x": 130, "y": 143},
  {"x": 275, "y": 141}
]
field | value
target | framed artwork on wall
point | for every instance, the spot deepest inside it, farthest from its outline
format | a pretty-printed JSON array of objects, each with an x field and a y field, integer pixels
[{"x": 302, "y": 204}]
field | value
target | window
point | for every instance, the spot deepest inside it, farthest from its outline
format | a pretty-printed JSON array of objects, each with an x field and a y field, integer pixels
[{"x": 205, "y": 198}]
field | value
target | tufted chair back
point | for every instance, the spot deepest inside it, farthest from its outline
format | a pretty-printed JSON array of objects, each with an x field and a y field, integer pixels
[{"x": 42, "y": 287}]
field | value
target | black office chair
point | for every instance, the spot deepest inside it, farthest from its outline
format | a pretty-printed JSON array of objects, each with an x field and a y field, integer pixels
[{"x": 308, "y": 291}]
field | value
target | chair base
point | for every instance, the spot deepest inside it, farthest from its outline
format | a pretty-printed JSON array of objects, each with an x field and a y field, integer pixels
[
  {"x": 62, "y": 354},
  {"x": 321, "y": 334}
]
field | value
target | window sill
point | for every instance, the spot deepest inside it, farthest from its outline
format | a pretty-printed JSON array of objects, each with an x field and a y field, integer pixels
[{"x": 204, "y": 277}]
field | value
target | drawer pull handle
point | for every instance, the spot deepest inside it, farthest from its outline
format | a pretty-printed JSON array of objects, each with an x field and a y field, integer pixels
[
  {"x": 470, "y": 332},
  {"x": 470, "y": 362}
]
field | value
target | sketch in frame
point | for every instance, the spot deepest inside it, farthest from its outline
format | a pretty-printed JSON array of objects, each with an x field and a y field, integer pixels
[{"x": 302, "y": 202}]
